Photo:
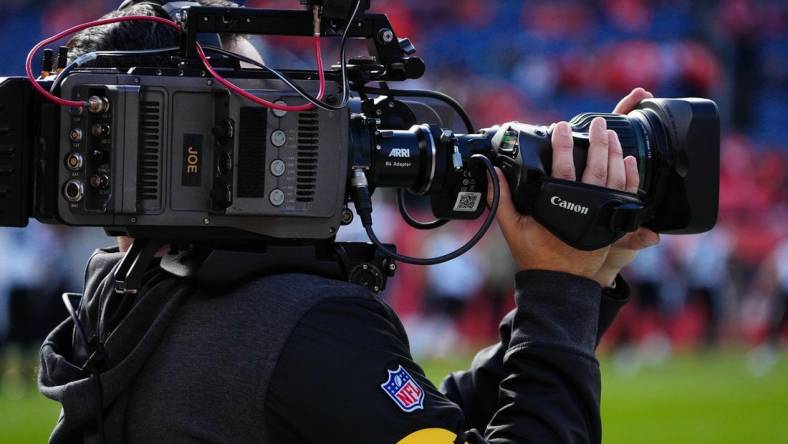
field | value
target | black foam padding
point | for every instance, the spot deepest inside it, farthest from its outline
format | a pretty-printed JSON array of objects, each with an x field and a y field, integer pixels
[{"x": 15, "y": 152}]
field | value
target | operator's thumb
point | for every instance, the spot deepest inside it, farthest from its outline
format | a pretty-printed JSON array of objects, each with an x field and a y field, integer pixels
[{"x": 506, "y": 215}]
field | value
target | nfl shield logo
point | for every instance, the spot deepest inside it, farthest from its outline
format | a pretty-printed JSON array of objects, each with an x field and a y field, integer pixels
[{"x": 404, "y": 390}]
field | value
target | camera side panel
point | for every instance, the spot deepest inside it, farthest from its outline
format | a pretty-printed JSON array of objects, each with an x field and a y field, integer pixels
[{"x": 181, "y": 152}]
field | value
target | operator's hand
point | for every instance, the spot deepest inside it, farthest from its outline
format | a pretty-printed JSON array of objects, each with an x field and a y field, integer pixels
[
  {"x": 625, "y": 249},
  {"x": 534, "y": 247}
]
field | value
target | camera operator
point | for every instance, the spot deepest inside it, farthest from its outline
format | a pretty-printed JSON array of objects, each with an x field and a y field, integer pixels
[{"x": 295, "y": 358}]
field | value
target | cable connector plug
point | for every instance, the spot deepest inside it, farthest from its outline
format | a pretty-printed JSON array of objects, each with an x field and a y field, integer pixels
[
  {"x": 361, "y": 196},
  {"x": 316, "y": 10},
  {"x": 85, "y": 58}
]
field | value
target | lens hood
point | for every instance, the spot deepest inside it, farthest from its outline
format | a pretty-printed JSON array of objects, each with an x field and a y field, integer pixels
[{"x": 686, "y": 198}]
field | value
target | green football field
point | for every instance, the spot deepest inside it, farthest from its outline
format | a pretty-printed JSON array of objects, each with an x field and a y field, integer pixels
[{"x": 702, "y": 398}]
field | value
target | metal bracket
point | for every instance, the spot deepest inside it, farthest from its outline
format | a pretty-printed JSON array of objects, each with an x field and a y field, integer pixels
[
  {"x": 128, "y": 276},
  {"x": 389, "y": 51}
]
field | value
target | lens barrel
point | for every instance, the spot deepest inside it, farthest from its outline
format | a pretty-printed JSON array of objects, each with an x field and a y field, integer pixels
[
  {"x": 633, "y": 134},
  {"x": 676, "y": 143},
  {"x": 405, "y": 159}
]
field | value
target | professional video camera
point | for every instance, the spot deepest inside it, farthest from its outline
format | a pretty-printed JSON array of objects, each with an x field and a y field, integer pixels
[{"x": 177, "y": 153}]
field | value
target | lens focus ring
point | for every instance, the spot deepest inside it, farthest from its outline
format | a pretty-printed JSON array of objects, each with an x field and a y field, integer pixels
[{"x": 616, "y": 122}]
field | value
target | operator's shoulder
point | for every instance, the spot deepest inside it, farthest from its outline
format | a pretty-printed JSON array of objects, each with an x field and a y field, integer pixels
[
  {"x": 297, "y": 300},
  {"x": 103, "y": 259},
  {"x": 99, "y": 266},
  {"x": 306, "y": 288}
]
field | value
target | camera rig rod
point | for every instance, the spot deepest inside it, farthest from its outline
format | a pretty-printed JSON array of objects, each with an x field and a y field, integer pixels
[
  {"x": 393, "y": 53},
  {"x": 130, "y": 270}
]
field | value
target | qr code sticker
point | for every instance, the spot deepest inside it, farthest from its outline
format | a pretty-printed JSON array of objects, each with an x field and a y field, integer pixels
[{"x": 467, "y": 201}]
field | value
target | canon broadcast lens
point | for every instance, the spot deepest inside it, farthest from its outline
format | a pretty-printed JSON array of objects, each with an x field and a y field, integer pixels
[
  {"x": 677, "y": 146},
  {"x": 676, "y": 143}
]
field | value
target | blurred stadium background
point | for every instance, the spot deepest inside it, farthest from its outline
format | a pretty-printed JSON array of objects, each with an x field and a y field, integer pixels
[{"x": 696, "y": 357}]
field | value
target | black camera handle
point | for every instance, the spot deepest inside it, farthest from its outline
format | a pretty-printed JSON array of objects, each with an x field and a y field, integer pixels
[
  {"x": 391, "y": 55},
  {"x": 585, "y": 216},
  {"x": 129, "y": 273}
]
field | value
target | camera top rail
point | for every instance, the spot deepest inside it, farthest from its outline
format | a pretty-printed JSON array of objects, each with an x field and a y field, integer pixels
[{"x": 390, "y": 54}]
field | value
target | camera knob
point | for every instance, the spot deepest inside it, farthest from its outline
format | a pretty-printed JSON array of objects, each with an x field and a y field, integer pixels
[
  {"x": 414, "y": 67},
  {"x": 98, "y": 156},
  {"x": 222, "y": 196},
  {"x": 367, "y": 275},
  {"x": 224, "y": 131},
  {"x": 99, "y": 181},
  {"x": 99, "y": 130},
  {"x": 407, "y": 46}
]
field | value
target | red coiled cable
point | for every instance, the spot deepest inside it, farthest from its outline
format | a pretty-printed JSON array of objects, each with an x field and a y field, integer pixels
[
  {"x": 263, "y": 102},
  {"x": 73, "y": 30},
  {"x": 75, "y": 103}
]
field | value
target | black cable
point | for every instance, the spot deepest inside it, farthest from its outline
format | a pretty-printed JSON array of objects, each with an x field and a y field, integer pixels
[
  {"x": 343, "y": 61},
  {"x": 287, "y": 81},
  {"x": 437, "y": 223},
  {"x": 100, "y": 413},
  {"x": 463, "y": 249},
  {"x": 74, "y": 318},
  {"x": 137, "y": 52},
  {"x": 385, "y": 90},
  {"x": 422, "y": 93},
  {"x": 77, "y": 63},
  {"x": 300, "y": 91},
  {"x": 94, "y": 371},
  {"x": 54, "y": 89}
]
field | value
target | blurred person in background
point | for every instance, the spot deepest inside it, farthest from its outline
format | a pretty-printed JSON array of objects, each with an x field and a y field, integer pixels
[
  {"x": 772, "y": 281},
  {"x": 449, "y": 287},
  {"x": 777, "y": 267},
  {"x": 705, "y": 260},
  {"x": 34, "y": 274},
  {"x": 39, "y": 263},
  {"x": 641, "y": 333}
]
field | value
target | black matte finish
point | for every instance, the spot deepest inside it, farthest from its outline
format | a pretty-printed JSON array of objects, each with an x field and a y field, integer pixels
[
  {"x": 15, "y": 151},
  {"x": 675, "y": 141}
]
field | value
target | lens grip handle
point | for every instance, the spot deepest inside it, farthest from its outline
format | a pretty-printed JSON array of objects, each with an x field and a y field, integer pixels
[{"x": 587, "y": 217}]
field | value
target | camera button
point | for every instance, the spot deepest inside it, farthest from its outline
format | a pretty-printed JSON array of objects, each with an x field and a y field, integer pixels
[
  {"x": 278, "y": 138},
  {"x": 99, "y": 130},
  {"x": 99, "y": 181},
  {"x": 225, "y": 164},
  {"x": 277, "y": 112},
  {"x": 277, "y": 197},
  {"x": 278, "y": 167}
]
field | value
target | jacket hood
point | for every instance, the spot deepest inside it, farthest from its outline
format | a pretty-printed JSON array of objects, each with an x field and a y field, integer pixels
[{"x": 139, "y": 323}]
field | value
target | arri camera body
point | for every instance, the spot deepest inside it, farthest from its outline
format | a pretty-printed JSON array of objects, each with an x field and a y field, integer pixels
[{"x": 169, "y": 154}]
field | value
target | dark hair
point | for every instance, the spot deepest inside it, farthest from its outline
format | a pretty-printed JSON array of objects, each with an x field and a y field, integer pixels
[{"x": 126, "y": 36}]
